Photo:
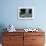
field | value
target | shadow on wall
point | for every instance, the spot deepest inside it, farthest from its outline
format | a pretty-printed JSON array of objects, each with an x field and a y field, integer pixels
[{"x": 2, "y": 26}]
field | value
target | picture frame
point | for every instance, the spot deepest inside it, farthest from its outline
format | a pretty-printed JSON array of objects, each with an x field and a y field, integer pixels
[{"x": 25, "y": 13}]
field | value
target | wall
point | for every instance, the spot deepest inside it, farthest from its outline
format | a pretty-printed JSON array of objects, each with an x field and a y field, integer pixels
[{"x": 9, "y": 13}]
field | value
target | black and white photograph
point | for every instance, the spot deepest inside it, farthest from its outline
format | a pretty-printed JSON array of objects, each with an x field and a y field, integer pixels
[{"x": 25, "y": 13}]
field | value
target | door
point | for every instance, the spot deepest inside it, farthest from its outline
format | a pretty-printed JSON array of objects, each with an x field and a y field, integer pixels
[
  {"x": 37, "y": 40},
  {"x": 13, "y": 40}
]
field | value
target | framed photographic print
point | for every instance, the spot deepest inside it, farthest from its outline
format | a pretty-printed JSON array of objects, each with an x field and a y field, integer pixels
[{"x": 25, "y": 13}]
